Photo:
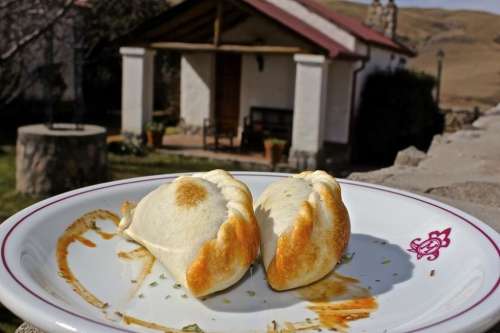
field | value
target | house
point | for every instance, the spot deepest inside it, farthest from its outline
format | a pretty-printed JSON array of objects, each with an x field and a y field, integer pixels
[{"x": 297, "y": 56}]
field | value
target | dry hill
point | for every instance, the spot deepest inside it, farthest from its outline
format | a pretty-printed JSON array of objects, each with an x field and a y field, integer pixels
[{"x": 470, "y": 39}]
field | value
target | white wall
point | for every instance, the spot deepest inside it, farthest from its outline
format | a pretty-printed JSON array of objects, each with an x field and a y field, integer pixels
[
  {"x": 273, "y": 87},
  {"x": 197, "y": 82},
  {"x": 338, "y": 105},
  {"x": 328, "y": 28}
]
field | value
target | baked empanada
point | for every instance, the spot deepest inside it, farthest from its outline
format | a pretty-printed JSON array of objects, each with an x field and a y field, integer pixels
[
  {"x": 304, "y": 228},
  {"x": 202, "y": 228}
]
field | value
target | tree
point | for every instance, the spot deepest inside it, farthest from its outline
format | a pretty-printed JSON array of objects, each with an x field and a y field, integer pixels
[{"x": 32, "y": 32}]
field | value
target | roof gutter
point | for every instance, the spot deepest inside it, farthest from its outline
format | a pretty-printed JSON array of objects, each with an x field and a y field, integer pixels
[{"x": 353, "y": 118}]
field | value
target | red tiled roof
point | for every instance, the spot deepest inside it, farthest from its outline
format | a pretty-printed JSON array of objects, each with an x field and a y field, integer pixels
[
  {"x": 298, "y": 26},
  {"x": 355, "y": 27}
]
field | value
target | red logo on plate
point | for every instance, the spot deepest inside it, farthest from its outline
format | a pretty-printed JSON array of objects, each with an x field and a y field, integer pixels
[{"x": 430, "y": 247}]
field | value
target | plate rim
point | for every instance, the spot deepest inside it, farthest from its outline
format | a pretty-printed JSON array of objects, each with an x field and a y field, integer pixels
[{"x": 12, "y": 222}]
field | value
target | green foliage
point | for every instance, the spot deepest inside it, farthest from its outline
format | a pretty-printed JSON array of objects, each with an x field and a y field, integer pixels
[
  {"x": 10, "y": 200},
  {"x": 397, "y": 110},
  {"x": 276, "y": 141},
  {"x": 155, "y": 126}
]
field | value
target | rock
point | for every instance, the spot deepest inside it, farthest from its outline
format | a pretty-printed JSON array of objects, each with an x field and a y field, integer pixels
[
  {"x": 53, "y": 161},
  {"x": 455, "y": 120},
  {"x": 482, "y": 193},
  {"x": 410, "y": 156},
  {"x": 27, "y": 328}
]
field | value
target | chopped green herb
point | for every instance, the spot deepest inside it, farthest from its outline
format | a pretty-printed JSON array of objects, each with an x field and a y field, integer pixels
[
  {"x": 308, "y": 320},
  {"x": 119, "y": 314},
  {"x": 167, "y": 297},
  {"x": 192, "y": 328},
  {"x": 184, "y": 296},
  {"x": 177, "y": 286},
  {"x": 153, "y": 284},
  {"x": 162, "y": 276},
  {"x": 386, "y": 261},
  {"x": 140, "y": 295},
  {"x": 105, "y": 305},
  {"x": 226, "y": 301},
  {"x": 275, "y": 325},
  {"x": 133, "y": 281},
  {"x": 250, "y": 293},
  {"x": 346, "y": 258}
]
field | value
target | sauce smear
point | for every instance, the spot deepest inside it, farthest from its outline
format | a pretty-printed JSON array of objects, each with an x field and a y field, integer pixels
[
  {"x": 139, "y": 322},
  {"x": 75, "y": 233}
]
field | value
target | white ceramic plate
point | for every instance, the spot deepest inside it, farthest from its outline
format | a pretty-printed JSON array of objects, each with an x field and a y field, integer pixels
[{"x": 429, "y": 267}]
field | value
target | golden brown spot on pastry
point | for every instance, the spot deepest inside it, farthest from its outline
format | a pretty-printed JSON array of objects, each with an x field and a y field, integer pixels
[
  {"x": 234, "y": 249},
  {"x": 189, "y": 194},
  {"x": 297, "y": 254},
  {"x": 74, "y": 233}
]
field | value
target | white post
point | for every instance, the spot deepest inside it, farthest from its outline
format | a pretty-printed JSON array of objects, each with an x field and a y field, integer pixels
[
  {"x": 137, "y": 88},
  {"x": 197, "y": 88},
  {"x": 309, "y": 110}
]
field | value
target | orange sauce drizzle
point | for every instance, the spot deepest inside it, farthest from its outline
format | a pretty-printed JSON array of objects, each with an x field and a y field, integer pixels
[
  {"x": 105, "y": 235},
  {"x": 85, "y": 241},
  {"x": 75, "y": 233},
  {"x": 147, "y": 266},
  {"x": 139, "y": 322},
  {"x": 337, "y": 315},
  {"x": 336, "y": 300}
]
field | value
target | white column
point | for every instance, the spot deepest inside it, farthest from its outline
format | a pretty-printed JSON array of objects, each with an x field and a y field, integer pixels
[
  {"x": 137, "y": 88},
  {"x": 197, "y": 88},
  {"x": 309, "y": 110}
]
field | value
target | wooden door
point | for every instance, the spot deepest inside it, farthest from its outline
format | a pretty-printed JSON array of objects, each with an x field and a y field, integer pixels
[{"x": 227, "y": 91}]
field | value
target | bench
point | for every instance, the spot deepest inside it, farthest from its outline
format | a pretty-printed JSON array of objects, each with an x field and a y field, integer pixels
[{"x": 265, "y": 122}]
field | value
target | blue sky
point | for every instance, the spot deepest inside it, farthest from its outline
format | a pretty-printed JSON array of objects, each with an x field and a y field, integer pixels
[{"x": 485, "y": 5}]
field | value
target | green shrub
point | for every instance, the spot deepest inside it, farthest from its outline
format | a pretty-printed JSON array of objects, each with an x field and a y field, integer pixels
[{"x": 397, "y": 110}]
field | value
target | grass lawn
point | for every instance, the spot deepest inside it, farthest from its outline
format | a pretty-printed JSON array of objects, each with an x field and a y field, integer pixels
[{"x": 121, "y": 167}]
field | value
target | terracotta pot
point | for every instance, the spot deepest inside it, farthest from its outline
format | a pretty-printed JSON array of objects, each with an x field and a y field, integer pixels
[
  {"x": 273, "y": 152},
  {"x": 268, "y": 147},
  {"x": 154, "y": 138},
  {"x": 277, "y": 153}
]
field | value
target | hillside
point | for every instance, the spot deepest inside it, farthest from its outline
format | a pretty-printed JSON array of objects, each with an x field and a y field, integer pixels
[{"x": 470, "y": 39}]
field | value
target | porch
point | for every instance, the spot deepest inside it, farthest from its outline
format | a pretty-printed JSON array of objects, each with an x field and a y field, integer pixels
[{"x": 240, "y": 57}]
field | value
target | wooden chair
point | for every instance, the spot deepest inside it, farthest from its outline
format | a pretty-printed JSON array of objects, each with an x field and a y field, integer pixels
[{"x": 218, "y": 129}]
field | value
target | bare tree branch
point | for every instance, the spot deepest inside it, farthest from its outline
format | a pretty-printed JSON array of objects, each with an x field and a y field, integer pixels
[
  {"x": 5, "y": 4},
  {"x": 23, "y": 42}
]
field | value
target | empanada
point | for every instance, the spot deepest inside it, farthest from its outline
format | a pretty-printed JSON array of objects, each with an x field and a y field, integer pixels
[
  {"x": 304, "y": 227},
  {"x": 202, "y": 228}
]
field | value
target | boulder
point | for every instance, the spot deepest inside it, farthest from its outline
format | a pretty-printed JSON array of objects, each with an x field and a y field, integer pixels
[{"x": 410, "y": 156}]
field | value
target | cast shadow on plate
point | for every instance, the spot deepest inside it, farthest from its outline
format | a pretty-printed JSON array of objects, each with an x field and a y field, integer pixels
[{"x": 376, "y": 263}]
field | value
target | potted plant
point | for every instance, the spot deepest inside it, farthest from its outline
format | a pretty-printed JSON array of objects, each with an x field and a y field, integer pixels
[
  {"x": 274, "y": 149},
  {"x": 154, "y": 133}
]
